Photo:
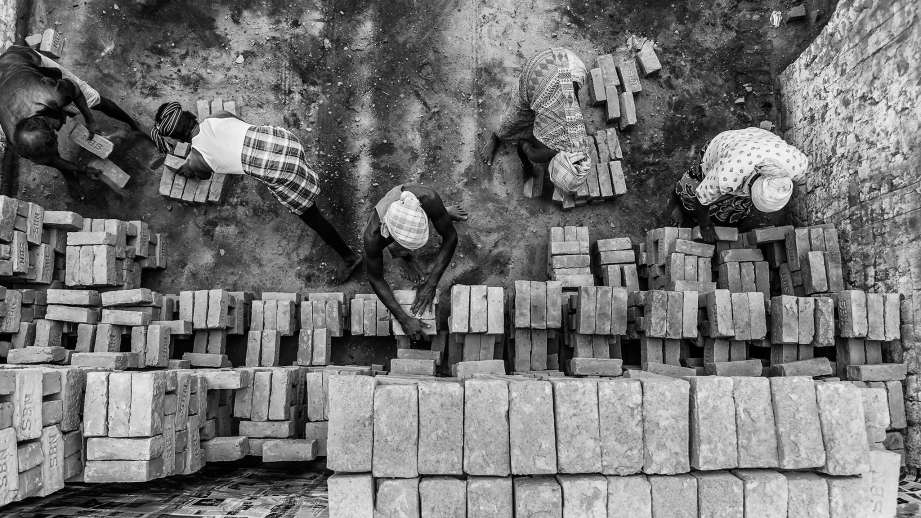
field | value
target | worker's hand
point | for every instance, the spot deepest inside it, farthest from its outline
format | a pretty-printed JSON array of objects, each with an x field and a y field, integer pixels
[
  {"x": 414, "y": 329},
  {"x": 424, "y": 297},
  {"x": 708, "y": 233},
  {"x": 93, "y": 128}
]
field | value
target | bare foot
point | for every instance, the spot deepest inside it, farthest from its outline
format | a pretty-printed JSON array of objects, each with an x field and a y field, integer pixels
[
  {"x": 488, "y": 151},
  {"x": 457, "y": 213},
  {"x": 347, "y": 269},
  {"x": 412, "y": 270}
]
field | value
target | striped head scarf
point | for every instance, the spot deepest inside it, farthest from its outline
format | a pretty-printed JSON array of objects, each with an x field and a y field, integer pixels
[
  {"x": 165, "y": 125},
  {"x": 406, "y": 222}
]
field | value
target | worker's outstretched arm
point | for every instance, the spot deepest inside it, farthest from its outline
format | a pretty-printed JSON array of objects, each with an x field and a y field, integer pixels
[{"x": 435, "y": 209}]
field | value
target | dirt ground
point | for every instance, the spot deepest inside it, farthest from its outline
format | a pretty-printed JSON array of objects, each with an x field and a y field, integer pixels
[{"x": 384, "y": 92}]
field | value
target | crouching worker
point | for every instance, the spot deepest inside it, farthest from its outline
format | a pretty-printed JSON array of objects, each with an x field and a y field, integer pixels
[
  {"x": 400, "y": 221},
  {"x": 35, "y": 93},
  {"x": 224, "y": 143},
  {"x": 545, "y": 120},
  {"x": 743, "y": 174}
]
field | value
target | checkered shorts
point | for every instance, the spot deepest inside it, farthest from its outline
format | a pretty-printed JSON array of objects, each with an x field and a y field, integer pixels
[{"x": 276, "y": 158}]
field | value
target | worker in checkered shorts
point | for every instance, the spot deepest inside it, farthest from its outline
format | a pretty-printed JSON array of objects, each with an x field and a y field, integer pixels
[
  {"x": 400, "y": 222},
  {"x": 224, "y": 143}
]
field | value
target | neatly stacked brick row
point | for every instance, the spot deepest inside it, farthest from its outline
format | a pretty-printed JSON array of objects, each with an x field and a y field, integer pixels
[
  {"x": 733, "y": 322},
  {"x": 140, "y": 426},
  {"x": 538, "y": 309},
  {"x": 40, "y": 441},
  {"x": 661, "y": 319},
  {"x": 322, "y": 318},
  {"x": 605, "y": 179},
  {"x": 211, "y": 314},
  {"x": 477, "y": 326},
  {"x": 191, "y": 190},
  {"x": 617, "y": 263},
  {"x": 598, "y": 322},
  {"x": 743, "y": 270},
  {"x": 649, "y": 447},
  {"x": 110, "y": 252},
  {"x": 568, "y": 258},
  {"x": 867, "y": 321},
  {"x": 813, "y": 261},
  {"x": 369, "y": 316}
]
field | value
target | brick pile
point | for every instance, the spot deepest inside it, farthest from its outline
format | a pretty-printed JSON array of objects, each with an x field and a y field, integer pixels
[
  {"x": 477, "y": 328},
  {"x": 538, "y": 307},
  {"x": 598, "y": 322},
  {"x": 674, "y": 261},
  {"x": 616, "y": 259},
  {"x": 369, "y": 316},
  {"x": 568, "y": 258},
  {"x": 111, "y": 253},
  {"x": 191, "y": 190},
  {"x": 514, "y": 446}
]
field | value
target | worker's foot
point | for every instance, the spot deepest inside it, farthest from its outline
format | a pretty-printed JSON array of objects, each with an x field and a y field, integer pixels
[
  {"x": 488, "y": 151},
  {"x": 347, "y": 269},
  {"x": 457, "y": 213},
  {"x": 411, "y": 269}
]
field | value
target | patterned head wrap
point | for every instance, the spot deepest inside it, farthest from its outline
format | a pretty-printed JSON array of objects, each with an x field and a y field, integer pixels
[
  {"x": 568, "y": 170},
  {"x": 406, "y": 222},
  {"x": 771, "y": 193},
  {"x": 165, "y": 125}
]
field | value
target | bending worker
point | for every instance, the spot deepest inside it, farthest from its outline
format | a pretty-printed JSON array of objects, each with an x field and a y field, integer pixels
[
  {"x": 545, "y": 119},
  {"x": 400, "y": 220},
  {"x": 35, "y": 93},
  {"x": 743, "y": 173},
  {"x": 224, "y": 143}
]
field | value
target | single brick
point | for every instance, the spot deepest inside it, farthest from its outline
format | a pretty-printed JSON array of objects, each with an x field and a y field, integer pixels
[
  {"x": 796, "y": 416},
  {"x": 351, "y": 412},
  {"x": 396, "y": 431},
  {"x": 577, "y": 425},
  {"x": 620, "y": 412},
  {"x": 755, "y": 425},
  {"x": 629, "y": 497},
  {"x": 486, "y": 428},
  {"x": 584, "y": 495},
  {"x": 719, "y": 494},
  {"x": 807, "y": 495},
  {"x": 532, "y": 432},
  {"x": 674, "y": 496},
  {"x": 666, "y": 424},
  {"x": 489, "y": 497},
  {"x": 537, "y": 496},
  {"x": 713, "y": 427},
  {"x": 765, "y": 493}
]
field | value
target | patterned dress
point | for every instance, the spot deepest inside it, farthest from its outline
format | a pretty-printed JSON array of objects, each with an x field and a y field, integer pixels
[
  {"x": 274, "y": 156},
  {"x": 544, "y": 104},
  {"x": 729, "y": 165}
]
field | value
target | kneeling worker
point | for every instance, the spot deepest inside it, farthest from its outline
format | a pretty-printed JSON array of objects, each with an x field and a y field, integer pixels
[
  {"x": 224, "y": 143},
  {"x": 546, "y": 121},
  {"x": 35, "y": 96},
  {"x": 743, "y": 172},
  {"x": 401, "y": 221}
]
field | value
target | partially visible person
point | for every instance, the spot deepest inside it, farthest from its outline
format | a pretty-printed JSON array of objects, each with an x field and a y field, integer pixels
[
  {"x": 400, "y": 222},
  {"x": 743, "y": 173},
  {"x": 35, "y": 96},
  {"x": 545, "y": 120},
  {"x": 226, "y": 144}
]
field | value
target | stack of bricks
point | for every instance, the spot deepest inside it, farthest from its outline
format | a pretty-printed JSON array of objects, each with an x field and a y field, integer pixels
[
  {"x": 613, "y": 71},
  {"x": 813, "y": 262},
  {"x": 585, "y": 447},
  {"x": 272, "y": 317},
  {"x": 112, "y": 253},
  {"x": 617, "y": 263},
  {"x": 599, "y": 321},
  {"x": 192, "y": 190},
  {"x": 321, "y": 318},
  {"x": 674, "y": 261},
  {"x": 606, "y": 178},
  {"x": 867, "y": 321},
  {"x": 538, "y": 310},
  {"x": 140, "y": 426},
  {"x": 369, "y": 316},
  {"x": 25, "y": 257},
  {"x": 211, "y": 313},
  {"x": 477, "y": 326},
  {"x": 743, "y": 270},
  {"x": 568, "y": 257},
  {"x": 663, "y": 319},
  {"x": 40, "y": 441},
  {"x": 734, "y": 321},
  {"x": 34, "y": 339},
  {"x": 273, "y": 405}
]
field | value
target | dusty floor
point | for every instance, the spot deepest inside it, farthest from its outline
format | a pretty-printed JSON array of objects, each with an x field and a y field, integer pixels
[{"x": 383, "y": 92}]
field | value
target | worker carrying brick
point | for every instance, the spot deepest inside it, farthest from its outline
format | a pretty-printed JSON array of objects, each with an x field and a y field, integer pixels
[
  {"x": 224, "y": 143},
  {"x": 544, "y": 118},
  {"x": 400, "y": 221},
  {"x": 743, "y": 173},
  {"x": 36, "y": 97}
]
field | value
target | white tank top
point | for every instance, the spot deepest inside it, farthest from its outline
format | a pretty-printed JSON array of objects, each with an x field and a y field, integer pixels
[{"x": 220, "y": 142}]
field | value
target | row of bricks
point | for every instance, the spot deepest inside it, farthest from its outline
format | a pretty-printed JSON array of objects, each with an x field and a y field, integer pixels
[
  {"x": 263, "y": 348},
  {"x": 494, "y": 427},
  {"x": 538, "y": 304},
  {"x": 820, "y": 272},
  {"x": 747, "y": 492},
  {"x": 601, "y": 311},
  {"x": 745, "y": 276},
  {"x": 369, "y": 316},
  {"x": 477, "y": 309}
]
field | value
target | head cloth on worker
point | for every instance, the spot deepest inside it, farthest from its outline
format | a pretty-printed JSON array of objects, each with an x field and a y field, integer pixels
[
  {"x": 406, "y": 222},
  {"x": 164, "y": 125},
  {"x": 771, "y": 193},
  {"x": 569, "y": 169}
]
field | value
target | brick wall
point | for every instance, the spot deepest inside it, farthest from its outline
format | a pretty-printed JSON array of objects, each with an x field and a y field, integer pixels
[{"x": 852, "y": 102}]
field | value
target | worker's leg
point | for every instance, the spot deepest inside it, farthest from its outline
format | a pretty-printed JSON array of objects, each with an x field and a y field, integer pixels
[
  {"x": 315, "y": 220},
  {"x": 108, "y": 107},
  {"x": 527, "y": 167}
]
